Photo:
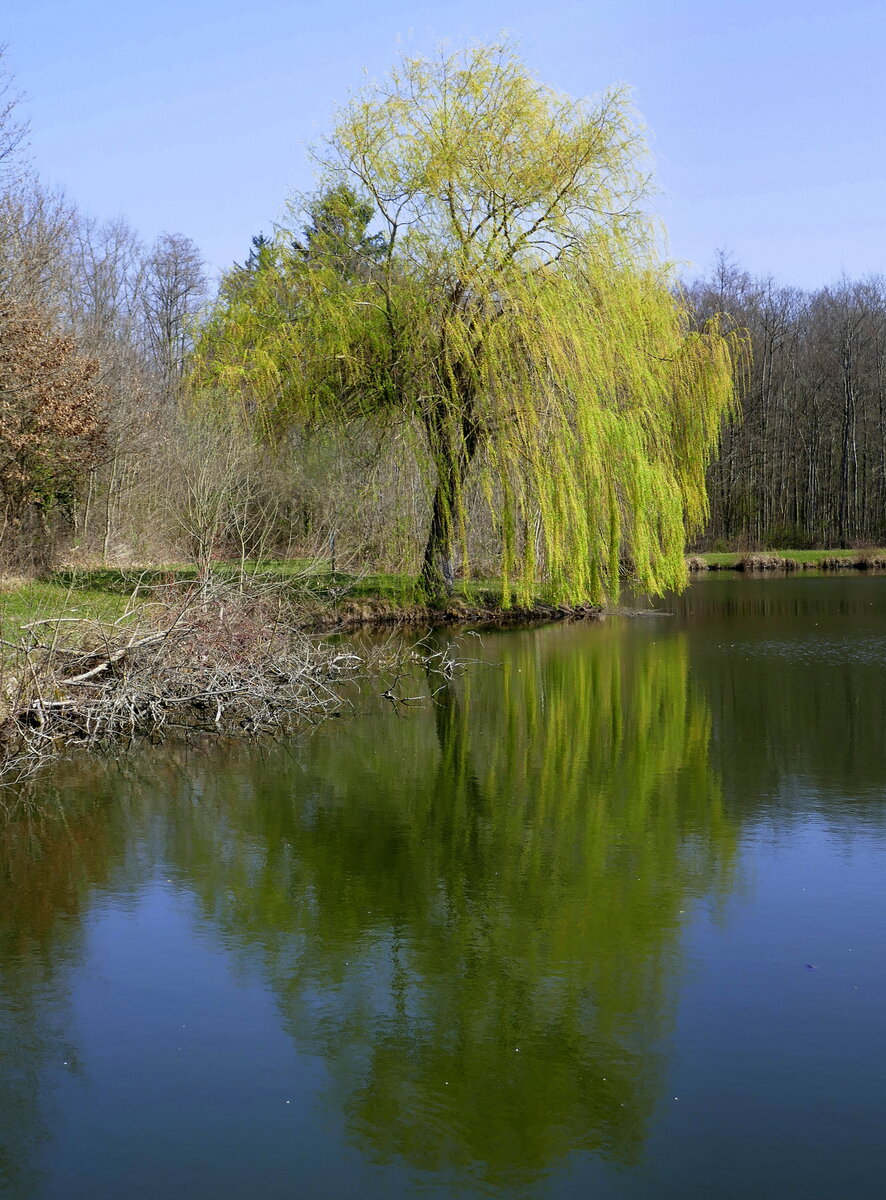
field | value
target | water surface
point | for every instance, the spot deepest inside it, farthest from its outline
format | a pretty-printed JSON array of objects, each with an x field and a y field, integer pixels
[{"x": 607, "y": 919}]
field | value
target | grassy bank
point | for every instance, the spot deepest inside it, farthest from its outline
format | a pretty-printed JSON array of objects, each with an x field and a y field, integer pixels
[
  {"x": 789, "y": 560},
  {"x": 323, "y": 600},
  {"x": 24, "y": 600},
  {"x": 319, "y": 599}
]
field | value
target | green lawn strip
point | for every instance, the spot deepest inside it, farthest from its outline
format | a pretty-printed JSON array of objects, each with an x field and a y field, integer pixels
[
  {"x": 23, "y": 603},
  {"x": 319, "y": 597},
  {"x": 310, "y": 579},
  {"x": 126, "y": 580},
  {"x": 720, "y": 560},
  {"x": 816, "y": 556}
]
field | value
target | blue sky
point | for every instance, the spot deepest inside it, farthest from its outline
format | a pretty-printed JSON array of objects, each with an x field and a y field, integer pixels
[{"x": 768, "y": 120}]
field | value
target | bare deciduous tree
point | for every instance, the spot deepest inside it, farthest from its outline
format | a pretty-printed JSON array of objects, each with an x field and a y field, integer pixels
[
  {"x": 13, "y": 128},
  {"x": 806, "y": 465},
  {"x": 174, "y": 287}
]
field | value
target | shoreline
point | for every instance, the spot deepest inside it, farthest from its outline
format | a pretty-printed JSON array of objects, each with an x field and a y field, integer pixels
[
  {"x": 786, "y": 561},
  {"x": 101, "y": 667},
  {"x": 217, "y": 659},
  {"x": 382, "y": 614}
]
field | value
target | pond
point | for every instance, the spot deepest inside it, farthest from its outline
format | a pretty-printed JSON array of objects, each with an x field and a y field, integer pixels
[{"x": 607, "y": 919}]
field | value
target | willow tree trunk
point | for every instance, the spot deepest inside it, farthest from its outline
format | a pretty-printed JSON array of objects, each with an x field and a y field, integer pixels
[
  {"x": 453, "y": 445},
  {"x": 438, "y": 564}
]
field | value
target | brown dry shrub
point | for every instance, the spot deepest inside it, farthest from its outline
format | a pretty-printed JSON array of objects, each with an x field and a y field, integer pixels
[{"x": 50, "y": 431}]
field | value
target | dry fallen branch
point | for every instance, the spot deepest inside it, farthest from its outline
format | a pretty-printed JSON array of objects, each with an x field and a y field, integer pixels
[{"x": 216, "y": 660}]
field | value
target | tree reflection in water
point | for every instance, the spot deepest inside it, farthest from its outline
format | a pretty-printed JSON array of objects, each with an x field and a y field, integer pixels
[{"x": 472, "y": 913}]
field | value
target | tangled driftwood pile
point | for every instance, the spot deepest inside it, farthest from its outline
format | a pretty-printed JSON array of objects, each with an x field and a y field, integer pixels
[{"x": 212, "y": 661}]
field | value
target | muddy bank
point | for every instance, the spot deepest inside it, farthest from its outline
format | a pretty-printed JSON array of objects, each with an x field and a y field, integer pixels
[{"x": 368, "y": 612}]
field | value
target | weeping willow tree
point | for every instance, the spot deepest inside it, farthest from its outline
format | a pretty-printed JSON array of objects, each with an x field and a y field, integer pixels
[{"x": 511, "y": 313}]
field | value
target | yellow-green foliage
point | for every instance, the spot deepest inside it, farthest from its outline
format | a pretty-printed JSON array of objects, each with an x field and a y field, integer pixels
[{"x": 519, "y": 324}]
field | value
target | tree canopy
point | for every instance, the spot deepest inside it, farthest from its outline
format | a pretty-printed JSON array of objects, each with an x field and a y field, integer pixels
[{"x": 510, "y": 312}]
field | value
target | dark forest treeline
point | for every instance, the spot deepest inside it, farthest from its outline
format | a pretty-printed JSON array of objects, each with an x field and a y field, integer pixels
[{"x": 806, "y": 464}]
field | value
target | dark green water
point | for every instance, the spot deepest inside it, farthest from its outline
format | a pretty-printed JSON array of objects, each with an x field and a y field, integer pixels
[{"x": 608, "y": 921}]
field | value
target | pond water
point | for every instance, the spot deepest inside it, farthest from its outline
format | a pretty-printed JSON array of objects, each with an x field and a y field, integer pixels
[{"x": 609, "y": 920}]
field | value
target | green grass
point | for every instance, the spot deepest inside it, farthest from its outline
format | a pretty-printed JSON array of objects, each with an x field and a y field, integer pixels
[
  {"x": 814, "y": 556},
  {"x": 305, "y": 577},
  {"x": 22, "y": 603},
  {"x": 104, "y": 593},
  {"x": 721, "y": 560},
  {"x": 125, "y": 580}
]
